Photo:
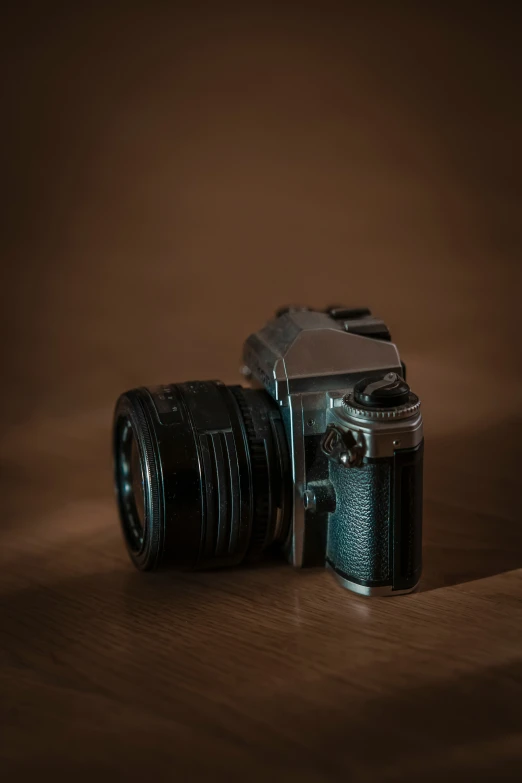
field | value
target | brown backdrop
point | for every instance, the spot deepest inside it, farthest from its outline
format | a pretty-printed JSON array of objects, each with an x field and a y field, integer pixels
[{"x": 174, "y": 173}]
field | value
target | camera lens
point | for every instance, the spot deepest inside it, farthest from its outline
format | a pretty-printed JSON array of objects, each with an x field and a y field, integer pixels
[{"x": 202, "y": 473}]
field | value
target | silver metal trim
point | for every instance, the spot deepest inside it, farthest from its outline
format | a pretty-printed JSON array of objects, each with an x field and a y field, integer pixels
[
  {"x": 380, "y": 414},
  {"x": 299, "y": 477},
  {"x": 300, "y": 358},
  {"x": 279, "y": 355},
  {"x": 369, "y": 591},
  {"x": 379, "y": 437}
]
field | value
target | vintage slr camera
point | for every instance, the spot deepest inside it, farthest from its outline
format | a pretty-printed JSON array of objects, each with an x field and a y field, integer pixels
[{"x": 322, "y": 455}]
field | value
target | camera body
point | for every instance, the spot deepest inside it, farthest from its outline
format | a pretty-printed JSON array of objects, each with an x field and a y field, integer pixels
[
  {"x": 322, "y": 455},
  {"x": 355, "y": 437}
]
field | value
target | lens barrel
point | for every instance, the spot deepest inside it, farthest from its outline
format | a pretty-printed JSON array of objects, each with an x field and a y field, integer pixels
[{"x": 202, "y": 473}]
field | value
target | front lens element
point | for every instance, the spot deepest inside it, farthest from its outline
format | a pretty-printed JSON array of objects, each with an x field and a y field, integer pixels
[{"x": 130, "y": 484}]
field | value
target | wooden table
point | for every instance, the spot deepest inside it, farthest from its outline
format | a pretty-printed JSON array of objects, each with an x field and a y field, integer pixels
[{"x": 259, "y": 673}]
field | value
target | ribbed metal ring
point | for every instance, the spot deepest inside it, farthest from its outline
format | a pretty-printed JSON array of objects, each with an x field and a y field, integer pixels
[{"x": 381, "y": 414}]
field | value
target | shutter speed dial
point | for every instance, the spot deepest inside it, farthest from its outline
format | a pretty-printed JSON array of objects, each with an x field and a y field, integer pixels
[
  {"x": 388, "y": 397},
  {"x": 389, "y": 391}
]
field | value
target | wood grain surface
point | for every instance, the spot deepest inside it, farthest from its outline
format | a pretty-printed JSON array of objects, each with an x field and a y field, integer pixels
[{"x": 172, "y": 177}]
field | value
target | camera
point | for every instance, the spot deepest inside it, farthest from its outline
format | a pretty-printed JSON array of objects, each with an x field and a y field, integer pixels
[{"x": 321, "y": 454}]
